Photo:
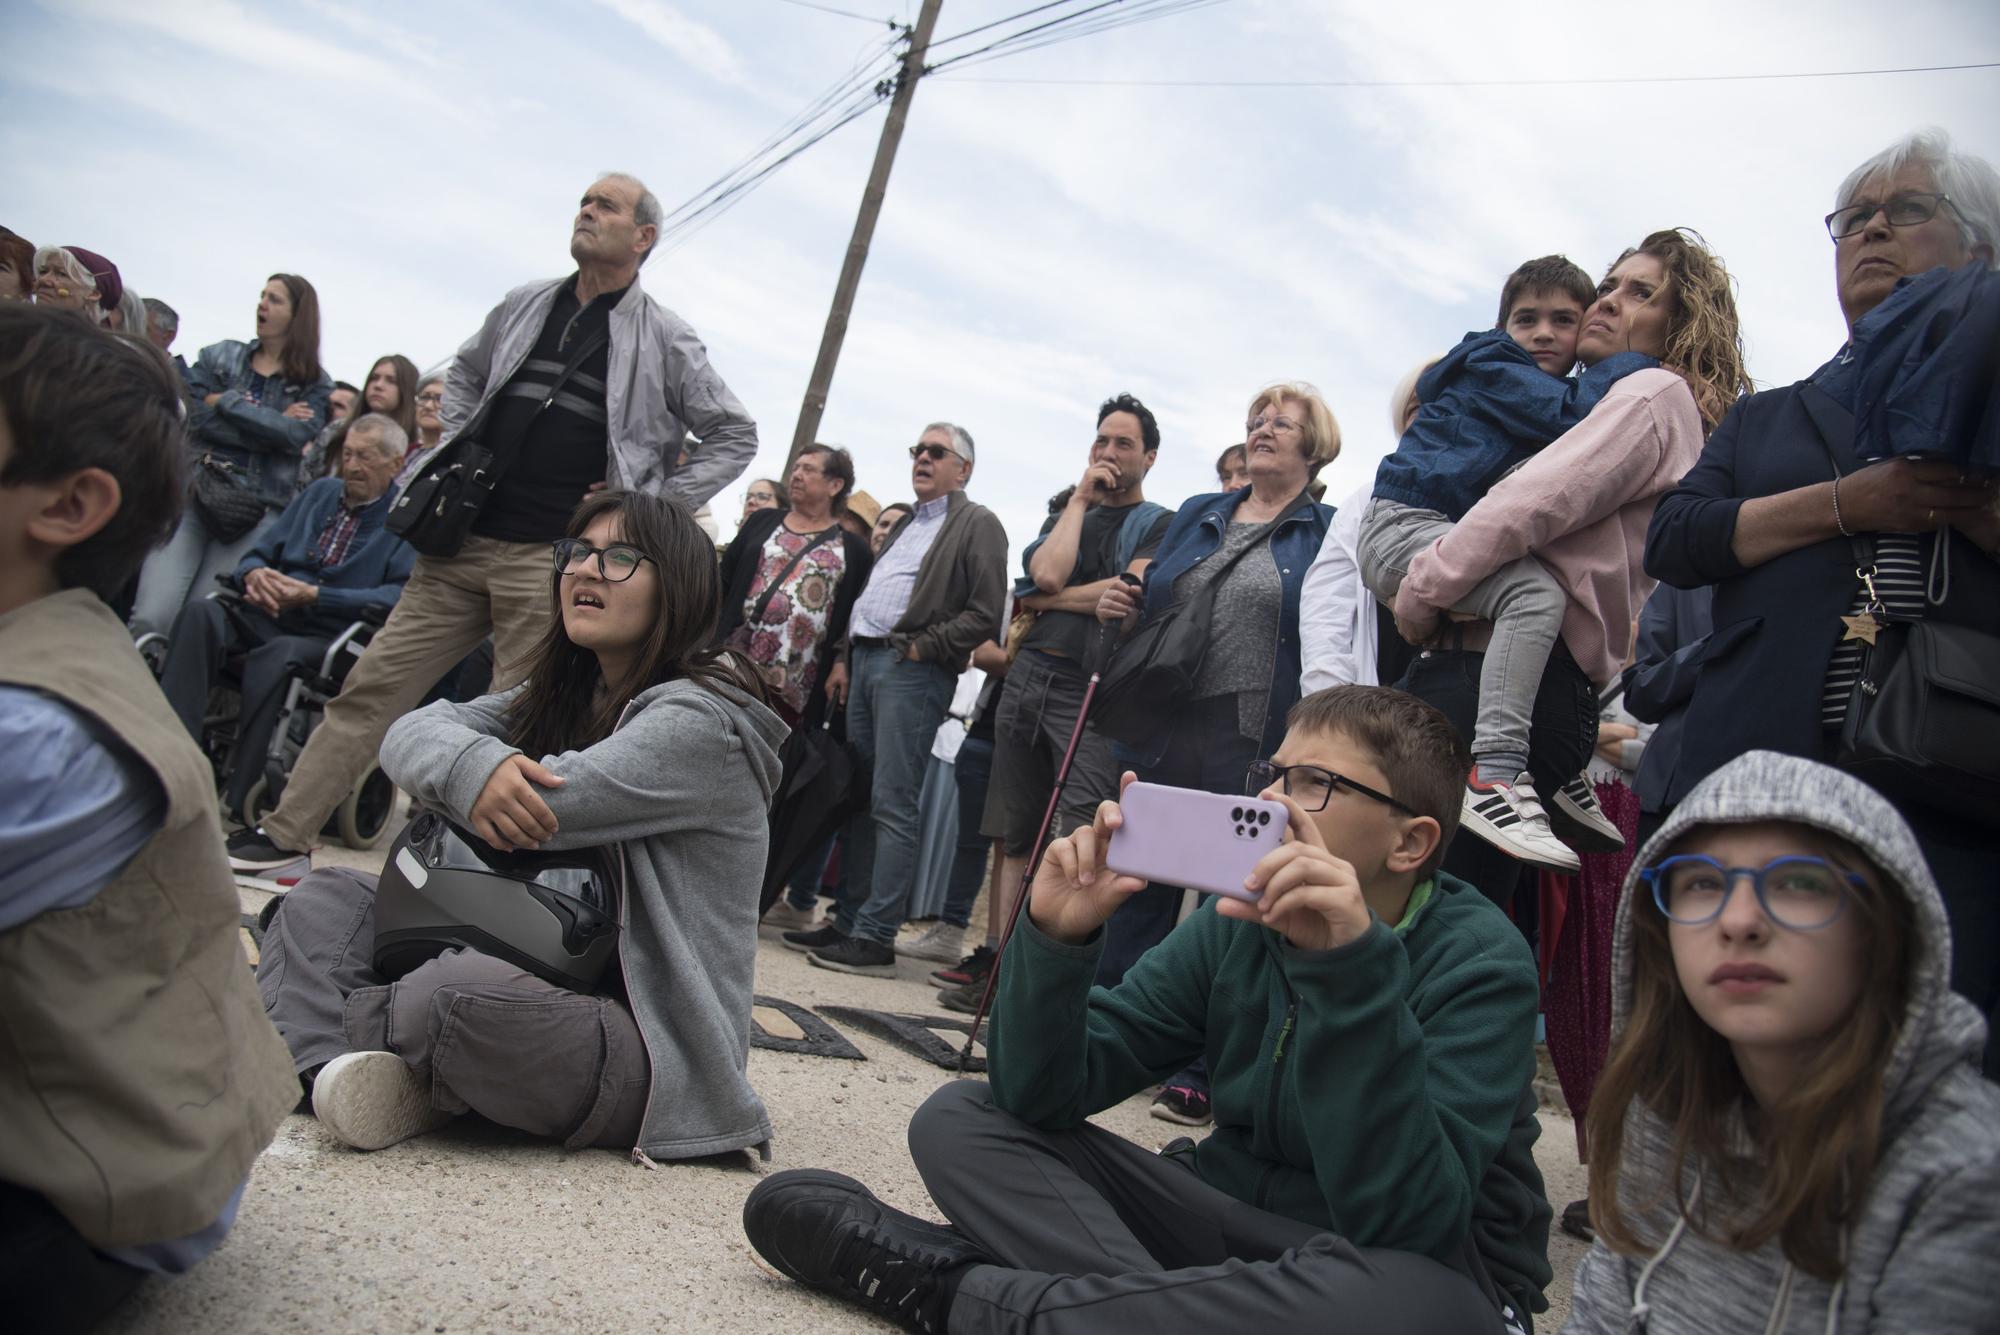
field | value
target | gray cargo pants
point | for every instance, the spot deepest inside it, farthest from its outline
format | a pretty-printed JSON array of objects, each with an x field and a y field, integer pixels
[
  {"x": 488, "y": 1037},
  {"x": 1096, "y": 1234},
  {"x": 1521, "y": 599}
]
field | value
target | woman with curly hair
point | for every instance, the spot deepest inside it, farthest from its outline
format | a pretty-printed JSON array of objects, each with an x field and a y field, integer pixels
[{"x": 1580, "y": 507}]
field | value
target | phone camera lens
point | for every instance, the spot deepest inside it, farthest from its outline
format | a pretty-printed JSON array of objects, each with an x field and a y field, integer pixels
[
  {"x": 1263, "y": 818},
  {"x": 1239, "y": 832},
  {"x": 1236, "y": 813}
]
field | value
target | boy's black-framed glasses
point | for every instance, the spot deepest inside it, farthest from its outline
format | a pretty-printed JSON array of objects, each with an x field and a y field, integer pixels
[
  {"x": 1904, "y": 210},
  {"x": 1802, "y": 893},
  {"x": 616, "y": 563},
  {"x": 1311, "y": 786}
]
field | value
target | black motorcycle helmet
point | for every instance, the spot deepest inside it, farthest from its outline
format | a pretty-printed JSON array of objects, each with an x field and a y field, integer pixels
[{"x": 444, "y": 887}]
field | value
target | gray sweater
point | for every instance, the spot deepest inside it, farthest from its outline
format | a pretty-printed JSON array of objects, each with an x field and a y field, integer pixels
[
  {"x": 1921, "y": 1251},
  {"x": 683, "y": 787}
]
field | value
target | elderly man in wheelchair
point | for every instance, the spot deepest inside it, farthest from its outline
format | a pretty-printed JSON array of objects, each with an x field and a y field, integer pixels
[{"x": 290, "y": 620}]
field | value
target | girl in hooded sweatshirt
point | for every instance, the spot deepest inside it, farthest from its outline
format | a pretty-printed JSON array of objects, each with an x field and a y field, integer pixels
[
  {"x": 629, "y": 735},
  {"x": 1791, "y": 1133}
]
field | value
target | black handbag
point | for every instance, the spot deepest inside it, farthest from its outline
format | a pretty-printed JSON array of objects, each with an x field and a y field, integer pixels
[
  {"x": 1153, "y": 672},
  {"x": 1923, "y": 724},
  {"x": 435, "y": 513},
  {"x": 224, "y": 499}
]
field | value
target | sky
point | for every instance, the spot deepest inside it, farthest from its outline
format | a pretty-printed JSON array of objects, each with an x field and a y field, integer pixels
[{"x": 1056, "y": 230}]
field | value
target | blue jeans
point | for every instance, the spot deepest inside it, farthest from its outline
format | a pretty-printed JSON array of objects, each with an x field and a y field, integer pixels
[
  {"x": 184, "y": 570},
  {"x": 894, "y": 707},
  {"x": 973, "y": 770}
]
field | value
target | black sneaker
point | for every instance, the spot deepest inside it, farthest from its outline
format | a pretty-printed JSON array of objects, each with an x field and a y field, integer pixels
[
  {"x": 1184, "y": 1105},
  {"x": 964, "y": 1000},
  {"x": 972, "y": 969},
  {"x": 828, "y": 1232},
  {"x": 851, "y": 954},
  {"x": 251, "y": 850},
  {"x": 818, "y": 939}
]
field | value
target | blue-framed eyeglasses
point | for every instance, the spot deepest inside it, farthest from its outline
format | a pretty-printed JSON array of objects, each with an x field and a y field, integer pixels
[{"x": 1802, "y": 893}]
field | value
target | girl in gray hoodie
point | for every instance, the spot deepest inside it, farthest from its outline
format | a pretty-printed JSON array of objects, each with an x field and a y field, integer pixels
[
  {"x": 629, "y": 735},
  {"x": 1791, "y": 1133}
]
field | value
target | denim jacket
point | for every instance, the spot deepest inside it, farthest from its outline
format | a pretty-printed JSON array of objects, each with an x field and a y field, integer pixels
[
  {"x": 1486, "y": 407},
  {"x": 1194, "y": 536},
  {"x": 255, "y": 436}
]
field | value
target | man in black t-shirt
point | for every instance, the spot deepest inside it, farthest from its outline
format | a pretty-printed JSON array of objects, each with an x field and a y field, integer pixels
[{"x": 1106, "y": 528}]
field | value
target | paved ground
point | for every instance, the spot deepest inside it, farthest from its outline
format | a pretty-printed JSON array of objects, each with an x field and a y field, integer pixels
[{"x": 476, "y": 1228}]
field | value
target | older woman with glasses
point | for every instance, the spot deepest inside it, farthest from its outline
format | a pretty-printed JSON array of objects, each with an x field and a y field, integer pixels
[
  {"x": 1780, "y": 511},
  {"x": 1249, "y": 679}
]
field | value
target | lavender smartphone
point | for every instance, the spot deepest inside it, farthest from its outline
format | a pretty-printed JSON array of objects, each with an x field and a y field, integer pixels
[{"x": 1203, "y": 841}]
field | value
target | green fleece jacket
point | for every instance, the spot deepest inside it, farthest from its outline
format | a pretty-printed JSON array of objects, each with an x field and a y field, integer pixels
[{"x": 1382, "y": 1090}]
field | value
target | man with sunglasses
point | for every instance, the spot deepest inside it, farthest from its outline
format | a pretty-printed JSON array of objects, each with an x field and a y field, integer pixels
[
  {"x": 1782, "y": 514},
  {"x": 1369, "y": 1024},
  {"x": 579, "y": 382},
  {"x": 937, "y": 592}
]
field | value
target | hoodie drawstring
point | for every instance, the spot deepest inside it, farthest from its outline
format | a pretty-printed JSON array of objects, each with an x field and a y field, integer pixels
[
  {"x": 1839, "y": 1288},
  {"x": 1781, "y": 1306},
  {"x": 1640, "y": 1309}
]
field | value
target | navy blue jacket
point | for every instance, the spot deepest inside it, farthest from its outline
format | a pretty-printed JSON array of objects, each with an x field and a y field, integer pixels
[
  {"x": 377, "y": 560},
  {"x": 1761, "y": 676},
  {"x": 1485, "y": 408},
  {"x": 256, "y": 437},
  {"x": 1194, "y": 535},
  {"x": 1925, "y": 363},
  {"x": 1673, "y": 630}
]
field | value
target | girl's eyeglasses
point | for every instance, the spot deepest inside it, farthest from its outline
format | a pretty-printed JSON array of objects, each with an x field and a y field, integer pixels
[
  {"x": 616, "y": 563},
  {"x": 1802, "y": 893}
]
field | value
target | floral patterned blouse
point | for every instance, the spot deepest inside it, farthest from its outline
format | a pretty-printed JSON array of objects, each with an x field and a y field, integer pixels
[{"x": 785, "y": 644}]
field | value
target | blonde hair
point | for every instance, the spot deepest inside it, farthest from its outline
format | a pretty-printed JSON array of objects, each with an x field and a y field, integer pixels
[
  {"x": 1704, "y": 339},
  {"x": 1320, "y": 431}
]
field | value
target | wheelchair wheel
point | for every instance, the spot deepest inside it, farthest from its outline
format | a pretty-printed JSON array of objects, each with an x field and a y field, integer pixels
[
  {"x": 257, "y": 804},
  {"x": 152, "y": 647},
  {"x": 365, "y": 812}
]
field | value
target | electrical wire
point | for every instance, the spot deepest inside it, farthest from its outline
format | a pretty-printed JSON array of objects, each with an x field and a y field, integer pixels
[
  {"x": 844, "y": 13},
  {"x": 1474, "y": 83},
  {"x": 1084, "y": 25}
]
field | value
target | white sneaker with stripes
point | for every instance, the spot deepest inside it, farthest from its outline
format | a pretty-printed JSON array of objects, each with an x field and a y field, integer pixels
[
  {"x": 1510, "y": 817},
  {"x": 1581, "y": 821}
]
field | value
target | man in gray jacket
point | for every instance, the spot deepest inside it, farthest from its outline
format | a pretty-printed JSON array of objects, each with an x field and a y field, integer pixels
[
  {"x": 622, "y": 420},
  {"x": 935, "y": 594}
]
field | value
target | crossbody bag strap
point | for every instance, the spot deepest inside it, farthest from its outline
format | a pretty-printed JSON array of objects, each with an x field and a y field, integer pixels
[
  {"x": 771, "y": 589},
  {"x": 503, "y": 459}
]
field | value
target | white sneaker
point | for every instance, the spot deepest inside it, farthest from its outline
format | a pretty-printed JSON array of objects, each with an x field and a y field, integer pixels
[
  {"x": 1575, "y": 812},
  {"x": 371, "y": 1100},
  {"x": 941, "y": 941},
  {"x": 1510, "y": 817},
  {"x": 783, "y": 917}
]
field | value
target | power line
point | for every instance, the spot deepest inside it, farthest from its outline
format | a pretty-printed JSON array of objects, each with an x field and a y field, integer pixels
[
  {"x": 1469, "y": 83},
  {"x": 844, "y": 13},
  {"x": 1068, "y": 27},
  {"x": 1000, "y": 23}
]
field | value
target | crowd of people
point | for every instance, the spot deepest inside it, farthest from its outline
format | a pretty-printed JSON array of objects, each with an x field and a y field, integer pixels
[{"x": 1710, "y": 672}]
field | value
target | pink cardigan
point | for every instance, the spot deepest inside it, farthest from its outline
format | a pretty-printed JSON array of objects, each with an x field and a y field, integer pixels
[{"x": 1580, "y": 507}]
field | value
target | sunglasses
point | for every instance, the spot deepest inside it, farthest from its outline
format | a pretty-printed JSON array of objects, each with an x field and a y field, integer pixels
[{"x": 935, "y": 453}]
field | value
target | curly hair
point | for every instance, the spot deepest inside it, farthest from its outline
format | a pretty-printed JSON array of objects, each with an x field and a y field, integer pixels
[{"x": 1704, "y": 338}]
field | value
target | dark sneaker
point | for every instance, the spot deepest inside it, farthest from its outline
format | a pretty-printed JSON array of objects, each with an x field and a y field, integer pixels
[
  {"x": 1185, "y": 1105},
  {"x": 251, "y": 850},
  {"x": 817, "y": 939},
  {"x": 1576, "y": 1220},
  {"x": 828, "y": 1232},
  {"x": 972, "y": 969},
  {"x": 964, "y": 1000},
  {"x": 851, "y": 954},
  {"x": 1580, "y": 822}
]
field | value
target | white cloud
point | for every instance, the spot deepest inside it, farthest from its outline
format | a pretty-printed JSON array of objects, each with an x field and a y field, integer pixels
[{"x": 697, "y": 44}]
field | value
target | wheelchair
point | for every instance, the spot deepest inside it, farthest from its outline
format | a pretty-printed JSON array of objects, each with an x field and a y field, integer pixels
[{"x": 364, "y": 814}]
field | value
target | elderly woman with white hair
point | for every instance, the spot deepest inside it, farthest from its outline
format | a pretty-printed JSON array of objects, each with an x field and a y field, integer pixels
[
  {"x": 1812, "y": 550},
  {"x": 78, "y": 280}
]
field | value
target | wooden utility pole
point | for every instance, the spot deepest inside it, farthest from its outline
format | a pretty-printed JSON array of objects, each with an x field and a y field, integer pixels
[{"x": 864, "y": 232}]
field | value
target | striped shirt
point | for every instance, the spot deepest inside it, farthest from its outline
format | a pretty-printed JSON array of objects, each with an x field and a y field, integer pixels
[
  {"x": 882, "y": 604},
  {"x": 1899, "y": 580}
]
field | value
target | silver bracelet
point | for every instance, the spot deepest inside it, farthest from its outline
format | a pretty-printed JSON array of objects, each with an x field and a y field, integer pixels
[{"x": 1838, "y": 522}]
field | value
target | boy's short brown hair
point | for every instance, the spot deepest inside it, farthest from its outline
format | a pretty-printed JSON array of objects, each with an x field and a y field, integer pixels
[
  {"x": 1550, "y": 273},
  {"x": 1411, "y": 741},
  {"x": 77, "y": 397}
]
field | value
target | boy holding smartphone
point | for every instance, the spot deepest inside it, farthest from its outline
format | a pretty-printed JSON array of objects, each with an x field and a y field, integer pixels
[{"x": 1369, "y": 1025}]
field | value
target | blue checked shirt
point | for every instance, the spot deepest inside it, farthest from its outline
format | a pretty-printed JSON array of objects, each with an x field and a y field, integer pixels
[{"x": 882, "y": 604}]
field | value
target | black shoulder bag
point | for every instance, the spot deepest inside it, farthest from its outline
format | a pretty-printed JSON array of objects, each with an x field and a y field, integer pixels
[
  {"x": 436, "y": 511},
  {"x": 1923, "y": 724},
  {"x": 1152, "y": 673}
]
